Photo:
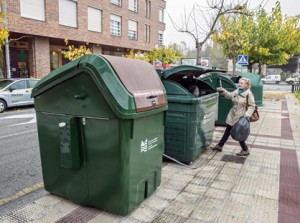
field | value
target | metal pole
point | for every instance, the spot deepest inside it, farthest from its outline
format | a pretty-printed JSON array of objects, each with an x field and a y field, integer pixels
[{"x": 8, "y": 74}]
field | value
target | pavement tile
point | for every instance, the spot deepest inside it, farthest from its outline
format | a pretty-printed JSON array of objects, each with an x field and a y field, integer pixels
[
  {"x": 196, "y": 188},
  {"x": 166, "y": 193},
  {"x": 144, "y": 214},
  {"x": 226, "y": 177},
  {"x": 40, "y": 211},
  {"x": 216, "y": 193},
  {"x": 188, "y": 197},
  {"x": 104, "y": 217},
  {"x": 156, "y": 202},
  {"x": 245, "y": 185},
  {"x": 242, "y": 199},
  {"x": 175, "y": 184},
  {"x": 210, "y": 203},
  {"x": 203, "y": 181},
  {"x": 230, "y": 171},
  {"x": 169, "y": 218},
  {"x": 180, "y": 209},
  {"x": 204, "y": 213},
  {"x": 227, "y": 218},
  {"x": 223, "y": 185}
]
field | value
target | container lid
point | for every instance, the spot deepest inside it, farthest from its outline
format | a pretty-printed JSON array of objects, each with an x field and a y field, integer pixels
[
  {"x": 141, "y": 80},
  {"x": 132, "y": 88},
  {"x": 178, "y": 72},
  {"x": 219, "y": 80}
]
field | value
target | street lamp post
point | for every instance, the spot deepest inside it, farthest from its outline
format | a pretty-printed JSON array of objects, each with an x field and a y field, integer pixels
[{"x": 7, "y": 58}]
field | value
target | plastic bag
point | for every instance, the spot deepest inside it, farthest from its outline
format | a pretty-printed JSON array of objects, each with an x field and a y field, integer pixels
[{"x": 241, "y": 129}]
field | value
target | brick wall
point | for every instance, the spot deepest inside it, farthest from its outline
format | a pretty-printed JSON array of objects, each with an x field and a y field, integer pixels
[
  {"x": 51, "y": 28},
  {"x": 39, "y": 57}
]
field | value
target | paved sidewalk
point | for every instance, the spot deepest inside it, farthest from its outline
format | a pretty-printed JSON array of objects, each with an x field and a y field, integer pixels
[{"x": 265, "y": 188}]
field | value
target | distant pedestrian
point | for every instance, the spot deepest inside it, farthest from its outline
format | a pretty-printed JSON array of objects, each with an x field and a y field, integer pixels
[{"x": 239, "y": 97}]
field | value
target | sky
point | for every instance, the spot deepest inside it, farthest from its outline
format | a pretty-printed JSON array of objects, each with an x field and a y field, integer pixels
[{"x": 175, "y": 8}]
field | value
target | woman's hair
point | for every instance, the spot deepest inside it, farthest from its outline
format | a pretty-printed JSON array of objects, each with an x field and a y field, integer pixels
[{"x": 247, "y": 81}]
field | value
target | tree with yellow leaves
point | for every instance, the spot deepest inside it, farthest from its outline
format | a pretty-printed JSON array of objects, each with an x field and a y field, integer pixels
[
  {"x": 73, "y": 52},
  {"x": 165, "y": 55},
  {"x": 266, "y": 39},
  {"x": 3, "y": 30}
]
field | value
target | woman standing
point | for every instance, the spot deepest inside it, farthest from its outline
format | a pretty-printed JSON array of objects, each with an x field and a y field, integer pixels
[{"x": 239, "y": 98}]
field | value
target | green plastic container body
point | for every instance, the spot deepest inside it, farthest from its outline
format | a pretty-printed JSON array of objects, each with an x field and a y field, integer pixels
[
  {"x": 216, "y": 80},
  {"x": 190, "y": 120},
  {"x": 256, "y": 87},
  {"x": 95, "y": 149}
]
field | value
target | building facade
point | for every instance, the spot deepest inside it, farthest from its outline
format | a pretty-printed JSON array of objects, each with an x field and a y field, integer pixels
[{"x": 38, "y": 29}]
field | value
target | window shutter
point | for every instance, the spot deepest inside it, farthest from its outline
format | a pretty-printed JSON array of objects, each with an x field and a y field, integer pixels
[
  {"x": 115, "y": 18},
  {"x": 94, "y": 19},
  {"x": 132, "y": 25},
  {"x": 68, "y": 13},
  {"x": 33, "y": 9}
]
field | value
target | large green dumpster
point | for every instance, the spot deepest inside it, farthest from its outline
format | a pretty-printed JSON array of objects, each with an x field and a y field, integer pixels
[
  {"x": 216, "y": 80},
  {"x": 101, "y": 126},
  {"x": 256, "y": 87},
  {"x": 191, "y": 114}
]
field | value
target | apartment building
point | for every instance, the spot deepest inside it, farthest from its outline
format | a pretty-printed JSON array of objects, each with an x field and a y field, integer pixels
[{"x": 38, "y": 29}]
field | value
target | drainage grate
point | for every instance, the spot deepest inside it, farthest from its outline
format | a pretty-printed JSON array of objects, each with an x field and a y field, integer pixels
[{"x": 233, "y": 159}]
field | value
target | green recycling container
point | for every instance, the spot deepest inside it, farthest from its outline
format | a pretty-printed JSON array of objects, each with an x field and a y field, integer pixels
[
  {"x": 256, "y": 87},
  {"x": 191, "y": 115},
  {"x": 216, "y": 80},
  {"x": 101, "y": 131}
]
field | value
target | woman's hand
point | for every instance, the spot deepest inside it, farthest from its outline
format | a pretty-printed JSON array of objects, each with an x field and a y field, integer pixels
[{"x": 220, "y": 89}]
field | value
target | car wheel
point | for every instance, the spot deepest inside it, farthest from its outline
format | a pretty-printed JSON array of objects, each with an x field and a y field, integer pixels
[
  {"x": 277, "y": 82},
  {"x": 2, "y": 105},
  {"x": 264, "y": 82},
  {"x": 291, "y": 82}
]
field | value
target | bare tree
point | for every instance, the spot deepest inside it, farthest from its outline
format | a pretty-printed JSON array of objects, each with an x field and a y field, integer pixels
[{"x": 202, "y": 21}]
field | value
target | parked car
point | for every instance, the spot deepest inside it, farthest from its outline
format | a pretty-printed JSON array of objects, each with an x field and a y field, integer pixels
[
  {"x": 294, "y": 78},
  {"x": 16, "y": 92},
  {"x": 271, "y": 79}
]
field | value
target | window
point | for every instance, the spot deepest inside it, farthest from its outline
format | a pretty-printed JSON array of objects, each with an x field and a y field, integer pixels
[
  {"x": 68, "y": 13},
  {"x": 116, "y": 2},
  {"x": 161, "y": 15},
  {"x": 160, "y": 37},
  {"x": 19, "y": 85},
  {"x": 147, "y": 33},
  {"x": 32, "y": 83},
  {"x": 147, "y": 8},
  {"x": 94, "y": 19},
  {"x": 115, "y": 25},
  {"x": 33, "y": 9},
  {"x": 132, "y": 29},
  {"x": 132, "y": 5}
]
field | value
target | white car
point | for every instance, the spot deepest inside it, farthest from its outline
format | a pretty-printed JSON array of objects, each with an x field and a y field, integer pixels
[
  {"x": 293, "y": 79},
  {"x": 16, "y": 92},
  {"x": 271, "y": 79}
]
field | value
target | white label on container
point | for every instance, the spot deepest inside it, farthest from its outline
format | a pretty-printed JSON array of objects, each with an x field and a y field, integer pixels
[{"x": 147, "y": 145}]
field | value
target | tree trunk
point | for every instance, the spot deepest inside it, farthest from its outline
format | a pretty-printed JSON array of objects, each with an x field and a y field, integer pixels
[
  {"x": 250, "y": 67},
  {"x": 259, "y": 68},
  {"x": 234, "y": 61},
  {"x": 199, "y": 51}
]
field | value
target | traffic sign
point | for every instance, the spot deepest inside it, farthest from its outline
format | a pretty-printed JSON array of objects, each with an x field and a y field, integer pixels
[{"x": 243, "y": 60}]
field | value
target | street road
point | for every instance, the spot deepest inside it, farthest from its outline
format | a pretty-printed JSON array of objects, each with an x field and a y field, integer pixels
[
  {"x": 282, "y": 87},
  {"x": 20, "y": 166}
]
